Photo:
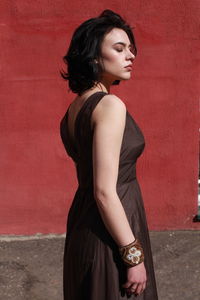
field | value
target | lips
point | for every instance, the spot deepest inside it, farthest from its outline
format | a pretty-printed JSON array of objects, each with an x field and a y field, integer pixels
[{"x": 129, "y": 67}]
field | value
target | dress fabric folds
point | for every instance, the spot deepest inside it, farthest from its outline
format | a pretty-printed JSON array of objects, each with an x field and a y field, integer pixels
[{"x": 93, "y": 269}]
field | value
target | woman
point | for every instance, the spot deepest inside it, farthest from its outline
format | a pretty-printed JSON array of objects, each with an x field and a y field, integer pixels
[{"x": 107, "y": 250}]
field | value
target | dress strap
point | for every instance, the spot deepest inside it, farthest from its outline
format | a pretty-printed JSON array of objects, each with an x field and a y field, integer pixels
[{"x": 87, "y": 109}]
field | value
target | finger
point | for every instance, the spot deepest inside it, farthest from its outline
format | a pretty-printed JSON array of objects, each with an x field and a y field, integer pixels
[
  {"x": 143, "y": 286},
  {"x": 139, "y": 288},
  {"x": 133, "y": 287},
  {"x": 126, "y": 285},
  {"x": 142, "y": 289}
]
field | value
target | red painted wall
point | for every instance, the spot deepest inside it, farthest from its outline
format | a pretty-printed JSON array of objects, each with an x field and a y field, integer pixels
[{"x": 37, "y": 179}]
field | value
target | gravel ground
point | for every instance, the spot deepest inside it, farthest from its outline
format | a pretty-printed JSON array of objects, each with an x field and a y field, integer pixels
[{"x": 31, "y": 267}]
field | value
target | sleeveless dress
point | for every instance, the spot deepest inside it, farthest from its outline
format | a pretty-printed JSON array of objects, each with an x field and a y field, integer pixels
[{"x": 93, "y": 269}]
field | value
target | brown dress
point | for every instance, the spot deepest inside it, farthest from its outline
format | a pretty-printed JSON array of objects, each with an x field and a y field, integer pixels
[{"x": 93, "y": 269}]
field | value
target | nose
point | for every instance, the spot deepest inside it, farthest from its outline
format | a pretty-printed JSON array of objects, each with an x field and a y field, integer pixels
[{"x": 130, "y": 55}]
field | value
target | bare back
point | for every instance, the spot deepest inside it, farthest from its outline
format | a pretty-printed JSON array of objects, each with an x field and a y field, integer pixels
[{"x": 76, "y": 106}]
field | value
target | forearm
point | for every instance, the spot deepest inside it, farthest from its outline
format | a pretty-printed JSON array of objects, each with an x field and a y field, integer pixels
[{"x": 114, "y": 218}]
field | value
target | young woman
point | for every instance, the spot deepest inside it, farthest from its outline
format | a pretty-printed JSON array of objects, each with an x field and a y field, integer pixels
[{"x": 107, "y": 250}]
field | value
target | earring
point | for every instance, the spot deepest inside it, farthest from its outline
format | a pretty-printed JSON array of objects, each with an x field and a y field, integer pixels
[{"x": 96, "y": 62}]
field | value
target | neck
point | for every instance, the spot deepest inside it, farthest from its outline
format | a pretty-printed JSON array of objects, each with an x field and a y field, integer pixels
[{"x": 104, "y": 86}]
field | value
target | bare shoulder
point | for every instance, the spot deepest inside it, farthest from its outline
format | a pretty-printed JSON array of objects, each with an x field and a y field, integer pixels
[
  {"x": 109, "y": 105},
  {"x": 111, "y": 101}
]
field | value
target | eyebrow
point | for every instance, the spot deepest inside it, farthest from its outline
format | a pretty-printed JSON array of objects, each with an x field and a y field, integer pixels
[{"x": 121, "y": 43}]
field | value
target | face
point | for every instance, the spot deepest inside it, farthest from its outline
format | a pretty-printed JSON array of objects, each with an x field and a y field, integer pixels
[{"x": 116, "y": 56}]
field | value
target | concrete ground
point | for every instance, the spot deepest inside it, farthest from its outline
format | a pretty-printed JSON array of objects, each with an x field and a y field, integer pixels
[{"x": 31, "y": 268}]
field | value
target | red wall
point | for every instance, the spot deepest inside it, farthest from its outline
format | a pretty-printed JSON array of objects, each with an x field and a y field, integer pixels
[{"x": 37, "y": 179}]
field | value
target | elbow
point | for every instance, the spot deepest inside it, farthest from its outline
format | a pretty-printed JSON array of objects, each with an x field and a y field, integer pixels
[{"x": 103, "y": 195}]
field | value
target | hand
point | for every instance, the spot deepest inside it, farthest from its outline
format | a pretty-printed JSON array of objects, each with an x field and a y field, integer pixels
[{"x": 136, "y": 279}]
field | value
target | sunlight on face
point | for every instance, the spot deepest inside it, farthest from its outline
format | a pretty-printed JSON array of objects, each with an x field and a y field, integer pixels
[{"x": 116, "y": 56}]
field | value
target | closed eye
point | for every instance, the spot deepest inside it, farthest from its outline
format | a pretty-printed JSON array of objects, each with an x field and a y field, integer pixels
[{"x": 119, "y": 50}]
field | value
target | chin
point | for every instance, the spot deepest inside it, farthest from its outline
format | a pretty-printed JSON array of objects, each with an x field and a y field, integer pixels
[{"x": 125, "y": 78}]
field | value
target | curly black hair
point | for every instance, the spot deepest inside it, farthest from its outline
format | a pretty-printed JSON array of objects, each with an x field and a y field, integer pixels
[{"x": 85, "y": 47}]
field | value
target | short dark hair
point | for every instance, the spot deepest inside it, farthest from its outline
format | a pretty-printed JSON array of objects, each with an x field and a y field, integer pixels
[{"x": 85, "y": 47}]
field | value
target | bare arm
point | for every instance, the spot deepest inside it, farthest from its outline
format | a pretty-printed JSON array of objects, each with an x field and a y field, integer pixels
[{"x": 109, "y": 123}]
